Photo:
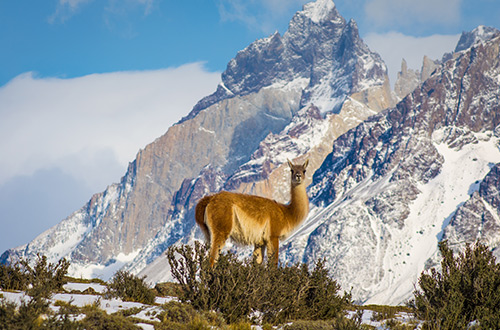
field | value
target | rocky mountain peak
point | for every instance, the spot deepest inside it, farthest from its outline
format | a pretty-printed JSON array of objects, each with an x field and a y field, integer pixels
[
  {"x": 480, "y": 34},
  {"x": 320, "y": 10},
  {"x": 319, "y": 45},
  {"x": 407, "y": 79}
]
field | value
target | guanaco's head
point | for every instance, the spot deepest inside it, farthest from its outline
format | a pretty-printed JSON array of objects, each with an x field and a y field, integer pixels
[{"x": 298, "y": 172}]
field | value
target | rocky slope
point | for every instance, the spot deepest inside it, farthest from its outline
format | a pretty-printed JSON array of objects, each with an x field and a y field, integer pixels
[{"x": 400, "y": 181}]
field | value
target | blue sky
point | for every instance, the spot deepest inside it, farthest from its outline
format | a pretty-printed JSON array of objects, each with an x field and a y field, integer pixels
[
  {"x": 71, "y": 38},
  {"x": 86, "y": 83}
]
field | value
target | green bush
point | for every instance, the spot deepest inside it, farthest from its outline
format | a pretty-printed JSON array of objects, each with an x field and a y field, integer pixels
[
  {"x": 466, "y": 290},
  {"x": 177, "y": 315},
  {"x": 97, "y": 319},
  {"x": 26, "y": 316},
  {"x": 238, "y": 289},
  {"x": 39, "y": 280},
  {"x": 130, "y": 288},
  {"x": 12, "y": 278},
  {"x": 178, "y": 312},
  {"x": 310, "y": 325},
  {"x": 340, "y": 323},
  {"x": 168, "y": 289},
  {"x": 7, "y": 314},
  {"x": 45, "y": 277}
]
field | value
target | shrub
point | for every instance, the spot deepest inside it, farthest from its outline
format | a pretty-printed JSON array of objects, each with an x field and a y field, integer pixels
[
  {"x": 130, "y": 288},
  {"x": 98, "y": 319},
  {"x": 7, "y": 314},
  {"x": 45, "y": 277},
  {"x": 240, "y": 326},
  {"x": 238, "y": 289},
  {"x": 467, "y": 290},
  {"x": 25, "y": 316},
  {"x": 310, "y": 325},
  {"x": 42, "y": 278},
  {"x": 340, "y": 323},
  {"x": 12, "y": 277},
  {"x": 39, "y": 281},
  {"x": 397, "y": 325},
  {"x": 178, "y": 312},
  {"x": 168, "y": 289},
  {"x": 177, "y": 315}
]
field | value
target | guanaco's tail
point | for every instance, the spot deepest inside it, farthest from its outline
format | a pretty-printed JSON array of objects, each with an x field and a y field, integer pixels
[{"x": 200, "y": 216}]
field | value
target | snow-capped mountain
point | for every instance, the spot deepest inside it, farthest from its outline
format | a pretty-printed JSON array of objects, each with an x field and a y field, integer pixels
[
  {"x": 281, "y": 88},
  {"x": 389, "y": 180},
  {"x": 402, "y": 180}
]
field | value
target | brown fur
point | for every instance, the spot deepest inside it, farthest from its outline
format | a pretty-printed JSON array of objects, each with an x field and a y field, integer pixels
[{"x": 252, "y": 220}]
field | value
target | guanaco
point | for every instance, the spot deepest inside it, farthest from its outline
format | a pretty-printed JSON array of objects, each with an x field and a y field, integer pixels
[{"x": 253, "y": 220}]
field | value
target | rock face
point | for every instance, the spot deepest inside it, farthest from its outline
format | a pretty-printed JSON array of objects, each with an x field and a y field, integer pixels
[
  {"x": 478, "y": 218},
  {"x": 407, "y": 79},
  {"x": 319, "y": 48},
  {"x": 282, "y": 96}
]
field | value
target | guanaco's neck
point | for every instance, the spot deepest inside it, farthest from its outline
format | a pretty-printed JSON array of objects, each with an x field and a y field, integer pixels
[{"x": 299, "y": 204}]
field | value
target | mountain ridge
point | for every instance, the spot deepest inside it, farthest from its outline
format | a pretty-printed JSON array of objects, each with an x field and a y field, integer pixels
[{"x": 377, "y": 173}]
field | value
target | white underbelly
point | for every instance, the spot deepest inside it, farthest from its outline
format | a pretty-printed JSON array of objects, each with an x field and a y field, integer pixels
[{"x": 247, "y": 230}]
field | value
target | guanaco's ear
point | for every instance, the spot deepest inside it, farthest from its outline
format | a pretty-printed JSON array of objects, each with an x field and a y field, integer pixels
[
  {"x": 306, "y": 163},
  {"x": 289, "y": 163}
]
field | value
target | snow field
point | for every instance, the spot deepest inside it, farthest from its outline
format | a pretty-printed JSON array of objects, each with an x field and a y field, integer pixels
[{"x": 417, "y": 243}]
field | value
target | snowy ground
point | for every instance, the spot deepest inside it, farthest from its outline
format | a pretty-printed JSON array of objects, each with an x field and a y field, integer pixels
[{"x": 146, "y": 313}]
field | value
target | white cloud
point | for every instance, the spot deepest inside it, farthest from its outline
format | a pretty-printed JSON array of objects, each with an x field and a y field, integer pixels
[
  {"x": 65, "y": 9},
  {"x": 91, "y": 127},
  {"x": 394, "y": 46},
  {"x": 404, "y": 13},
  {"x": 258, "y": 14},
  {"x": 63, "y": 139}
]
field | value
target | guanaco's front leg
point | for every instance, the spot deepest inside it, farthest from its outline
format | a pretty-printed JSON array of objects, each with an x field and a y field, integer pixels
[{"x": 272, "y": 250}]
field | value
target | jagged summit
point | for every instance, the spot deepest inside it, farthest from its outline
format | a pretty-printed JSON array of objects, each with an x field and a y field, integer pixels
[
  {"x": 319, "y": 46},
  {"x": 320, "y": 10},
  {"x": 407, "y": 79},
  {"x": 480, "y": 34}
]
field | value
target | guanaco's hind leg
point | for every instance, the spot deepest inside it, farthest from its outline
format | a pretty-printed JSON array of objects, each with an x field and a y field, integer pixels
[
  {"x": 200, "y": 217},
  {"x": 258, "y": 253},
  {"x": 216, "y": 246},
  {"x": 219, "y": 221}
]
